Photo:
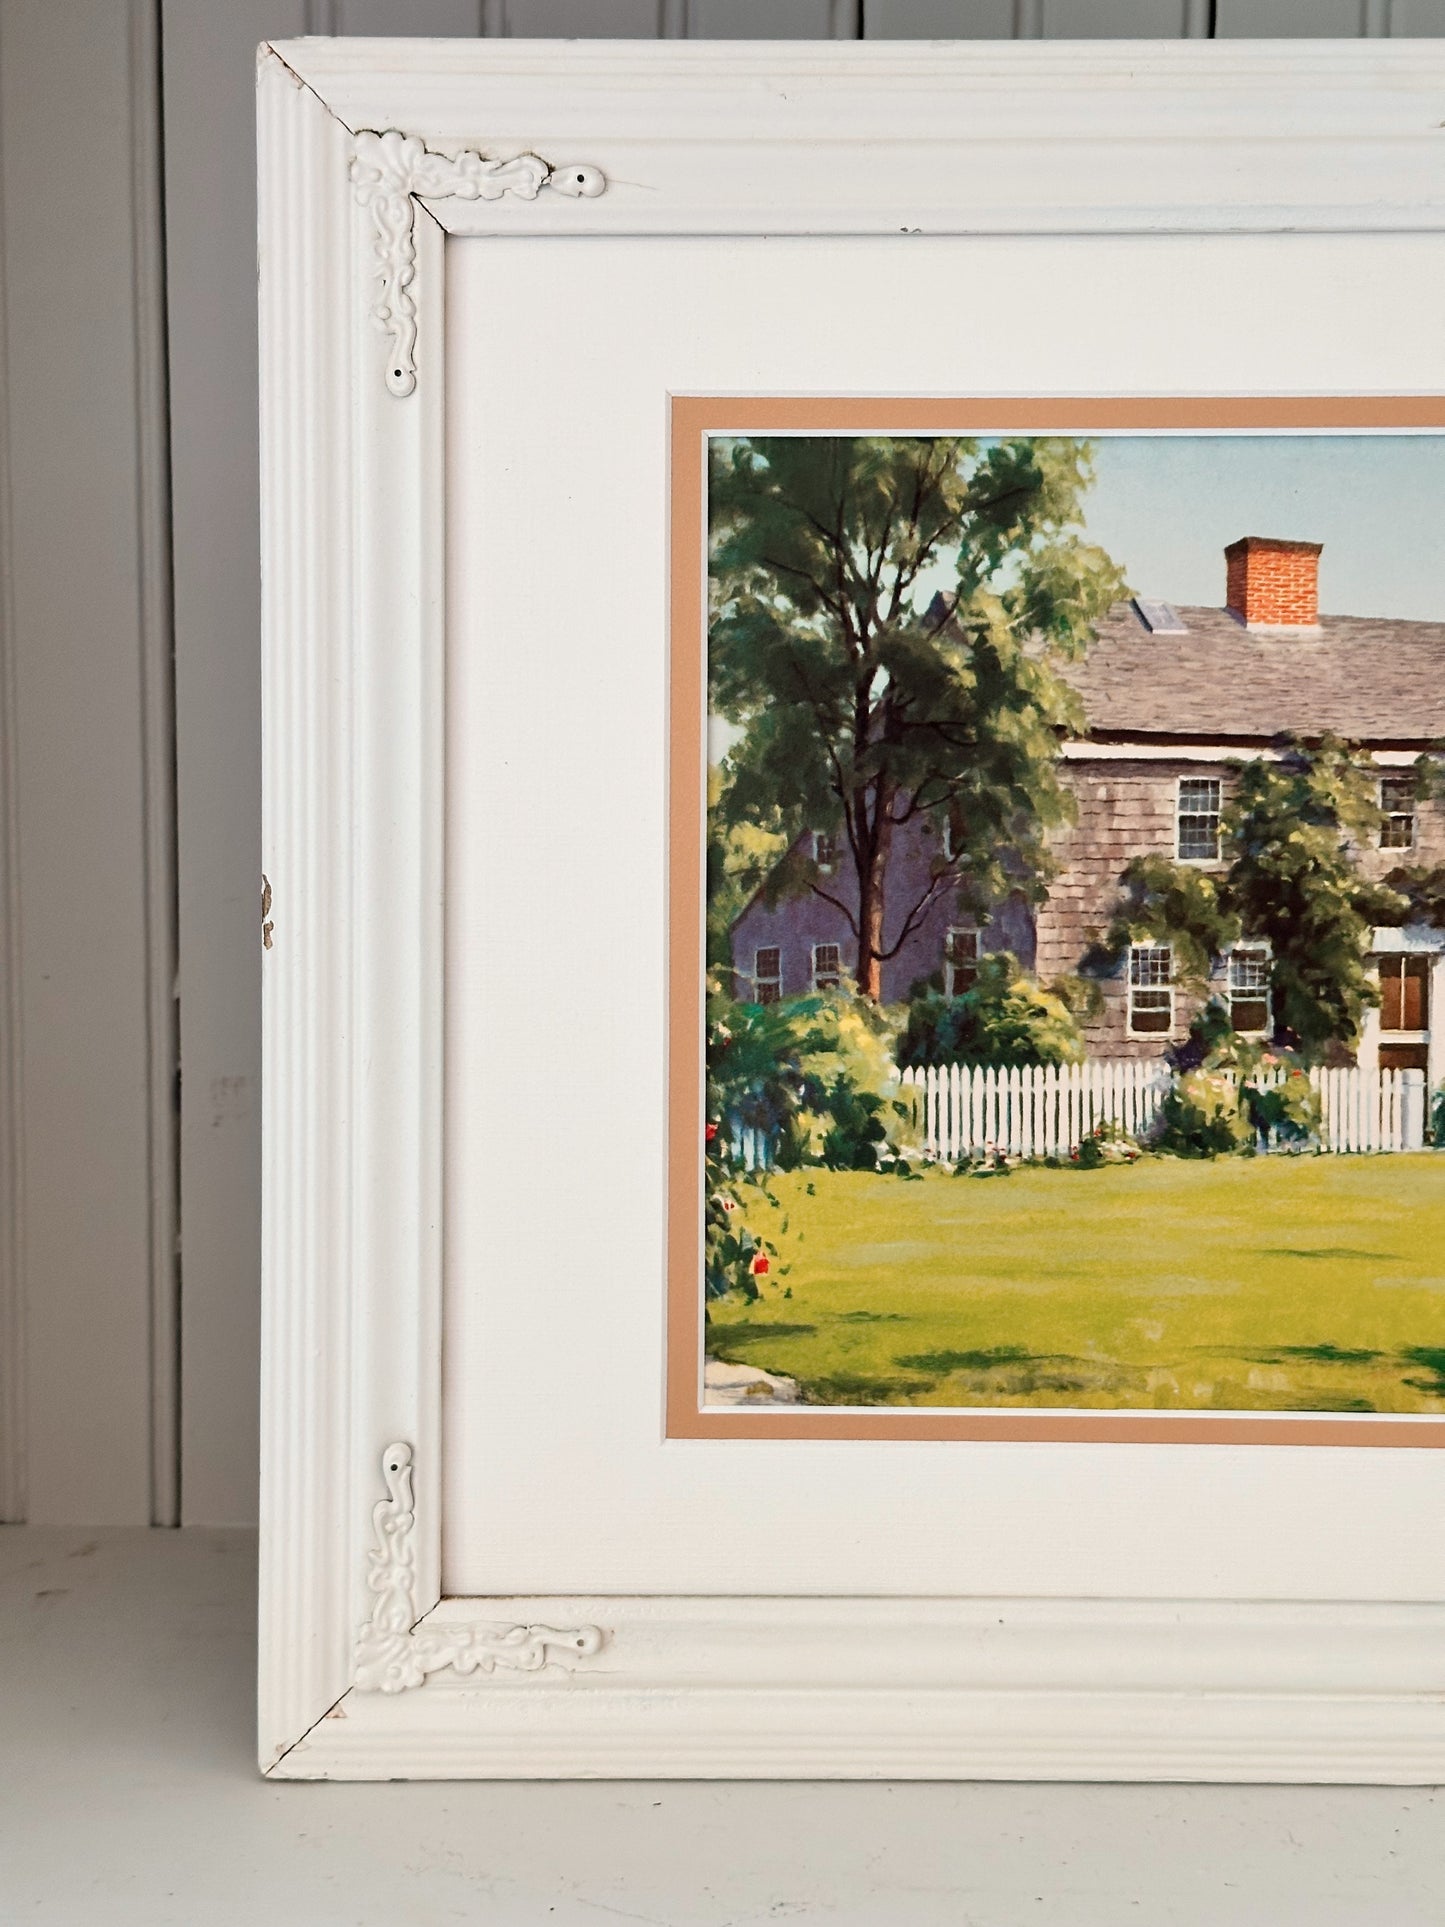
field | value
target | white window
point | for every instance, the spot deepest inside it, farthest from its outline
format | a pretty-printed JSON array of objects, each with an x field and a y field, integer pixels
[
  {"x": 1397, "y": 800},
  {"x": 825, "y": 852},
  {"x": 1249, "y": 973},
  {"x": 827, "y": 966},
  {"x": 960, "y": 962},
  {"x": 1198, "y": 819},
  {"x": 768, "y": 975},
  {"x": 1151, "y": 988}
]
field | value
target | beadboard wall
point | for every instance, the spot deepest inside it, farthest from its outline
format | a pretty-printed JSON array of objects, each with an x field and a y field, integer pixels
[{"x": 130, "y": 688}]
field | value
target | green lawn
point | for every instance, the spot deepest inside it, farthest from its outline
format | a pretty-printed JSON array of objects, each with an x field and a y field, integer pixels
[{"x": 1275, "y": 1284}]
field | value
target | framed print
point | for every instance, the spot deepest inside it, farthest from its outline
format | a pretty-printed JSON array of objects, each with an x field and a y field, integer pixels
[
  {"x": 1141, "y": 951},
  {"x": 854, "y": 955}
]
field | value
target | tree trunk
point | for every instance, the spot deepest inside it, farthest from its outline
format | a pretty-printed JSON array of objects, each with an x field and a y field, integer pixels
[{"x": 872, "y": 873}]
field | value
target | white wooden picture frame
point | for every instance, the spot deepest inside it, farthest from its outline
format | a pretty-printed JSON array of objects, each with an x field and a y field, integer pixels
[{"x": 376, "y": 158}]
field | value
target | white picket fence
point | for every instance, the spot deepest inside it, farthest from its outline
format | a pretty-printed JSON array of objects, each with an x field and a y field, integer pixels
[
  {"x": 1373, "y": 1110},
  {"x": 1037, "y": 1111},
  {"x": 750, "y": 1148},
  {"x": 1032, "y": 1110}
]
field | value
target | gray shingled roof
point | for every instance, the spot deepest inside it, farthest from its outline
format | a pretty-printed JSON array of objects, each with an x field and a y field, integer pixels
[{"x": 1370, "y": 679}]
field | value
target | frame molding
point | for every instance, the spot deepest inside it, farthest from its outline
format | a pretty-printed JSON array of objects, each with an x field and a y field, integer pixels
[
  {"x": 390, "y": 171},
  {"x": 393, "y": 1652},
  {"x": 690, "y": 140}
]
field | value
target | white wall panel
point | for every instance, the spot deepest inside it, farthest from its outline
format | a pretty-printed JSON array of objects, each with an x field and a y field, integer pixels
[
  {"x": 1123, "y": 19},
  {"x": 12, "y": 1308},
  {"x": 440, "y": 19},
  {"x": 771, "y": 19},
  {"x": 1289, "y": 19},
  {"x": 939, "y": 19},
  {"x": 210, "y": 144},
  {"x": 601, "y": 19},
  {"x": 87, "y": 726}
]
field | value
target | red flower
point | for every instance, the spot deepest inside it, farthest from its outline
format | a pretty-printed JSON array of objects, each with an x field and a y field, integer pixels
[
  {"x": 760, "y": 1265},
  {"x": 709, "y": 1133}
]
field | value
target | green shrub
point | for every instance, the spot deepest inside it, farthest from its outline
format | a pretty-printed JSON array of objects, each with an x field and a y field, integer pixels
[
  {"x": 1004, "y": 1018},
  {"x": 1286, "y": 1113},
  {"x": 1201, "y": 1117},
  {"x": 856, "y": 1139},
  {"x": 757, "y": 1062},
  {"x": 814, "y": 1075}
]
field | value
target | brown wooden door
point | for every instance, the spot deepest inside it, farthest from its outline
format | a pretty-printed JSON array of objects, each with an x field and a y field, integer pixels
[
  {"x": 1404, "y": 1057},
  {"x": 1404, "y": 995}
]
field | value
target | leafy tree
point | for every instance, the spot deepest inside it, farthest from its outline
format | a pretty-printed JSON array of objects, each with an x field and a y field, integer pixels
[
  {"x": 1166, "y": 902},
  {"x": 1291, "y": 880},
  {"x": 863, "y": 702},
  {"x": 1294, "y": 881},
  {"x": 1423, "y": 888},
  {"x": 740, "y": 858}
]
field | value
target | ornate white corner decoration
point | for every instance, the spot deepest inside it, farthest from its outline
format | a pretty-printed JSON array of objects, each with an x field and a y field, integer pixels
[
  {"x": 388, "y": 169},
  {"x": 393, "y": 1652}
]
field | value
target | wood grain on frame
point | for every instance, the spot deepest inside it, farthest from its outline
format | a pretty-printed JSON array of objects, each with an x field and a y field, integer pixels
[{"x": 693, "y": 419}]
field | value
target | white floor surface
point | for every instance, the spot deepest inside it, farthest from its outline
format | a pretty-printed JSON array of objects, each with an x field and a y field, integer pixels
[{"x": 128, "y": 1798}]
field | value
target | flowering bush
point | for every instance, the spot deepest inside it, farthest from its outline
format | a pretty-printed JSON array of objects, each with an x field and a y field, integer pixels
[
  {"x": 735, "y": 1254},
  {"x": 1201, "y": 1117},
  {"x": 1107, "y": 1143},
  {"x": 1286, "y": 1112}
]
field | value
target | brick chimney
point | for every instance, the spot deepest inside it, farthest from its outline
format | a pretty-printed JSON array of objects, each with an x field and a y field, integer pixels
[{"x": 1273, "y": 585}]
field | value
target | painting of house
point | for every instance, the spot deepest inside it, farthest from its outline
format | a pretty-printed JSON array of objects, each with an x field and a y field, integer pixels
[
  {"x": 1172, "y": 697},
  {"x": 1074, "y": 999}
]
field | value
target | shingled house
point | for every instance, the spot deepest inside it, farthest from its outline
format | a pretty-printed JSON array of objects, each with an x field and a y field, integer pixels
[{"x": 1173, "y": 695}]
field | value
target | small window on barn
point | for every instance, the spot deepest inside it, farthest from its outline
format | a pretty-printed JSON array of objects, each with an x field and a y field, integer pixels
[
  {"x": 1151, "y": 988},
  {"x": 960, "y": 962},
  {"x": 1404, "y": 993},
  {"x": 1397, "y": 801},
  {"x": 1199, "y": 802},
  {"x": 825, "y": 852},
  {"x": 827, "y": 966},
  {"x": 1249, "y": 969},
  {"x": 768, "y": 975}
]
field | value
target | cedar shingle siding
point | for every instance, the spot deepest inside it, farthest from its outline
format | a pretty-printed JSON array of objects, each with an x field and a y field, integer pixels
[{"x": 1125, "y": 809}]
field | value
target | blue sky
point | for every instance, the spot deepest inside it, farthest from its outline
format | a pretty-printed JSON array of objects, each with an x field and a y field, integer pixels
[{"x": 1165, "y": 506}]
